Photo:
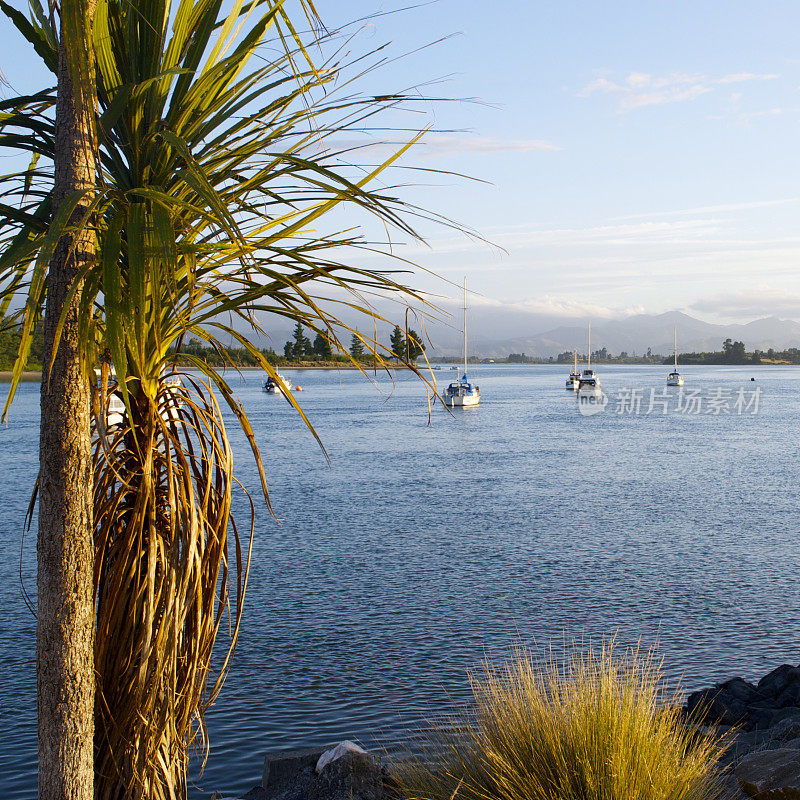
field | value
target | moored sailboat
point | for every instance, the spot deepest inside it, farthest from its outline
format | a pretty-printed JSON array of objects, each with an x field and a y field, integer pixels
[
  {"x": 589, "y": 387},
  {"x": 675, "y": 378},
  {"x": 462, "y": 392},
  {"x": 574, "y": 376}
]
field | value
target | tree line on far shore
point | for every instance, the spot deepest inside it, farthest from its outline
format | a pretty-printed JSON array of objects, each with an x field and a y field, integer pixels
[
  {"x": 404, "y": 347},
  {"x": 299, "y": 349},
  {"x": 735, "y": 353},
  {"x": 10, "y": 338}
]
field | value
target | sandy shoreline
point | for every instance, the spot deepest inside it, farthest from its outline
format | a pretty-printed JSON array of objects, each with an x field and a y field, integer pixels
[{"x": 28, "y": 375}]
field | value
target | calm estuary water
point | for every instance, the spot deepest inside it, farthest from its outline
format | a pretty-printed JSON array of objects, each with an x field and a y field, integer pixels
[{"x": 423, "y": 548}]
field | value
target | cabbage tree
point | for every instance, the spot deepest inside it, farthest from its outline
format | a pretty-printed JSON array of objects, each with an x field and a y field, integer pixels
[{"x": 216, "y": 170}]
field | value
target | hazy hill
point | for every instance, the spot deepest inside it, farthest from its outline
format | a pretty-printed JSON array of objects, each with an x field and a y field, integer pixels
[
  {"x": 635, "y": 334},
  {"x": 496, "y": 331}
]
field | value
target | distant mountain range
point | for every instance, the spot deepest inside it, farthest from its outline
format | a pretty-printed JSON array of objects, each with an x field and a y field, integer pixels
[
  {"x": 495, "y": 331},
  {"x": 634, "y": 335}
]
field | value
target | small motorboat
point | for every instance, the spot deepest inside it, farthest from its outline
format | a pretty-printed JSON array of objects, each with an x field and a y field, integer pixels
[
  {"x": 675, "y": 379},
  {"x": 283, "y": 384}
]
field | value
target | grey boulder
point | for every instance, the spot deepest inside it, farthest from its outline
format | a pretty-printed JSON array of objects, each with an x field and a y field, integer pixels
[
  {"x": 352, "y": 776},
  {"x": 770, "y": 775},
  {"x": 716, "y": 706},
  {"x": 288, "y": 775},
  {"x": 775, "y": 684},
  {"x": 786, "y": 728}
]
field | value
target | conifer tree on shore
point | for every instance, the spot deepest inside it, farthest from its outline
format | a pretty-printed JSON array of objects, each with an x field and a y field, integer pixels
[
  {"x": 415, "y": 345},
  {"x": 322, "y": 347},
  {"x": 356, "y": 348},
  {"x": 397, "y": 343}
]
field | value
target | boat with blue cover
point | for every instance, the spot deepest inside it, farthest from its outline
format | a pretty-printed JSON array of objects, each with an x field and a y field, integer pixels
[{"x": 462, "y": 392}]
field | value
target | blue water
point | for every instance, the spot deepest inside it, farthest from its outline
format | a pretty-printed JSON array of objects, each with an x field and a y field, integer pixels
[{"x": 425, "y": 547}]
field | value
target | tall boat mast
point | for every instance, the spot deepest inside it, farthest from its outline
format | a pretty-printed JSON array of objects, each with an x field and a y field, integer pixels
[
  {"x": 676, "y": 348},
  {"x": 465, "y": 325},
  {"x": 589, "y": 345},
  {"x": 675, "y": 378}
]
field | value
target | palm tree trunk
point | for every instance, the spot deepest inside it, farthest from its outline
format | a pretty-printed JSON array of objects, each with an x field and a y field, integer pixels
[{"x": 65, "y": 626}]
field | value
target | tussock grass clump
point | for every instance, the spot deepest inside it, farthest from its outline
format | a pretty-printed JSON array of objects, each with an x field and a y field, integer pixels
[{"x": 596, "y": 727}]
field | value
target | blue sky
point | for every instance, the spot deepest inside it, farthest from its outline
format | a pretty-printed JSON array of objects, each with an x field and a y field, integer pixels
[
  {"x": 640, "y": 156},
  {"x": 643, "y": 156}
]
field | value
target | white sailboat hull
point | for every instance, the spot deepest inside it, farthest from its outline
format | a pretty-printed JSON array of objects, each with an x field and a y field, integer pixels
[
  {"x": 675, "y": 381},
  {"x": 279, "y": 387},
  {"x": 457, "y": 400},
  {"x": 169, "y": 408}
]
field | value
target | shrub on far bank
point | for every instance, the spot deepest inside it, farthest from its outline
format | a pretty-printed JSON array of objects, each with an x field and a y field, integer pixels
[{"x": 598, "y": 727}]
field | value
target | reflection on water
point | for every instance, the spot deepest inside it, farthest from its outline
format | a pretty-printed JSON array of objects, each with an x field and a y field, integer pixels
[{"x": 423, "y": 548}]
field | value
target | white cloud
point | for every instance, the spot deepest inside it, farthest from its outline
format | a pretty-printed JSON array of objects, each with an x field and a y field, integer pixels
[
  {"x": 546, "y": 305},
  {"x": 740, "y": 77},
  {"x": 718, "y": 209},
  {"x": 756, "y": 301},
  {"x": 434, "y": 145},
  {"x": 641, "y": 89},
  {"x": 484, "y": 144},
  {"x": 566, "y": 307}
]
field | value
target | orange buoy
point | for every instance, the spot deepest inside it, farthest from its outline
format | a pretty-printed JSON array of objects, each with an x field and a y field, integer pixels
[{"x": 298, "y": 388}]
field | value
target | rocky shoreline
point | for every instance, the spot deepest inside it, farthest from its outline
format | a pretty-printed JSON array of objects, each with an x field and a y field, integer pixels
[
  {"x": 762, "y": 722},
  {"x": 343, "y": 772}
]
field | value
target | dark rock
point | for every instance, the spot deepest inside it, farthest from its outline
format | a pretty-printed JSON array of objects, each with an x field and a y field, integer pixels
[
  {"x": 354, "y": 776},
  {"x": 784, "y": 713},
  {"x": 761, "y": 716},
  {"x": 745, "y": 742},
  {"x": 716, "y": 706},
  {"x": 770, "y": 774},
  {"x": 256, "y": 793},
  {"x": 789, "y": 697},
  {"x": 786, "y": 728},
  {"x": 731, "y": 789},
  {"x": 288, "y": 775},
  {"x": 741, "y": 690},
  {"x": 773, "y": 684},
  {"x": 740, "y": 744}
]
